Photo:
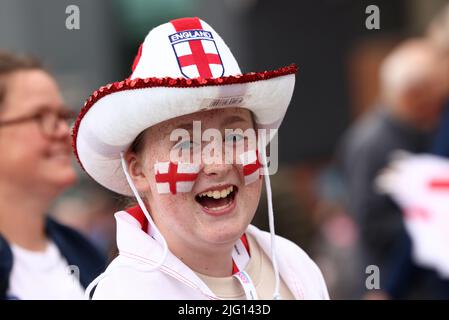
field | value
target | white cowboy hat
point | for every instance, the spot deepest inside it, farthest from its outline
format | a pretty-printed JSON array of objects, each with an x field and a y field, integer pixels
[{"x": 182, "y": 67}]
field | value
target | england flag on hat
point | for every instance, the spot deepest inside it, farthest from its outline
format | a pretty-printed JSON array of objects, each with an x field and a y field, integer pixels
[
  {"x": 196, "y": 51},
  {"x": 191, "y": 49}
]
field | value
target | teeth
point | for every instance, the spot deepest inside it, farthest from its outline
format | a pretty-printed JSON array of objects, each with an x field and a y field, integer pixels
[
  {"x": 217, "y": 194},
  {"x": 218, "y": 208}
]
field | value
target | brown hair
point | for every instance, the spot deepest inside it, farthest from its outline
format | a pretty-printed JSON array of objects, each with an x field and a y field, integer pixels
[
  {"x": 138, "y": 143},
  {"x": 10, "y": 63}
]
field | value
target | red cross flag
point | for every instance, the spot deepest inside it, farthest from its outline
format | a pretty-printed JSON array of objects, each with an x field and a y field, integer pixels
[
  {"x": 175, "y": 177},
  {"x": 419, "y": 184},
  {"x": 251, "y": 166},
  {"x": 196, "y": 50}
]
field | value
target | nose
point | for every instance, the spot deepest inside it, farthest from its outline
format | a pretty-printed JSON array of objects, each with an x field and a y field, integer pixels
[
  {"x": 62, "y": 130},
  {"x": 216, "y": 170}
]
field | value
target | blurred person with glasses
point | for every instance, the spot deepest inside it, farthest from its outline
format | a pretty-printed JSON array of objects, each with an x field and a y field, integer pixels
[
  {"x": 49, "y": 120},
  {"x": 39, "y": 258}
]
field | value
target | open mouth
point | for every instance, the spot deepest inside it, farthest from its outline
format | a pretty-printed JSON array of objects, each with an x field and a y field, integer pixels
[{"x": 217, "y": 200}]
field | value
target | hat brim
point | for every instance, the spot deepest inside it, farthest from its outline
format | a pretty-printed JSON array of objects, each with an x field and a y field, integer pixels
[{"x": 115, "y": 114}]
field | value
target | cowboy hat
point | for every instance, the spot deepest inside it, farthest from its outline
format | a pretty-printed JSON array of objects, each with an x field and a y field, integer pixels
[{"x": 182, "y": 67}]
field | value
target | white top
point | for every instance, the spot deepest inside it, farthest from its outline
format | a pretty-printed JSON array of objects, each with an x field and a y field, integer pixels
[
  {"x": 259, "y": 268},
  {"x": 42, "y": 275},
  {"x": 130, "y": 275}
]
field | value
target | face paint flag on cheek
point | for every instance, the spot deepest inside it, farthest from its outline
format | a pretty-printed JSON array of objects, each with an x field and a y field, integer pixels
[
  {"x": 251, "y": 166},
  {"x": 174, "y": 177}
]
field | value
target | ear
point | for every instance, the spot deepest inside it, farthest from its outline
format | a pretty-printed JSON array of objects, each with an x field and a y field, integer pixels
[{"x": 136, "y": 172}]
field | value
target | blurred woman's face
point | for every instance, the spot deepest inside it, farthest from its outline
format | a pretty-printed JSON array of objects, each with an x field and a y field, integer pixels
[
  {"x": 195, "y": 219},
  {"x": 33, "y": 158}
]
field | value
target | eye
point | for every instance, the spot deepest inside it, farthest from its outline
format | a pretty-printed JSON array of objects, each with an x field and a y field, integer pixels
[
  {"x": 234, "y": 137},
  {"x": 185, "y": 145}
]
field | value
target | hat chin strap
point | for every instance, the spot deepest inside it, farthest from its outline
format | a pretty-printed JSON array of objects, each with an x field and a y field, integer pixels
[
  {"x": 142, "y": 206},
  {"x": 276, "y": 293},
  {"x": 157, "y": 234}
]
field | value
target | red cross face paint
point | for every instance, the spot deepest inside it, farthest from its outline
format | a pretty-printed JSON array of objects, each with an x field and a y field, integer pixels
[
  {"x": 251, "y": 166},
  {"x": 174, "y": 177}
]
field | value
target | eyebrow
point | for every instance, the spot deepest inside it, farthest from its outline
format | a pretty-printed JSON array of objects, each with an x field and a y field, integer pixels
[
  {"x": 232, "y": 119},
  {"x": 186, "y": 126},
  {"x": 46, "y": 107},
  {"x": 227, "y": 121}
]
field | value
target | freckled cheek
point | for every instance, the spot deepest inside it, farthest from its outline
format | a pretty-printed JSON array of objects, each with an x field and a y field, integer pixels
[
  {"x": 251, "y": 194},
  {"x": 253, "y": 190},
  {"x": 175, "y": 213},
  {"x": 174, "y": 205}
]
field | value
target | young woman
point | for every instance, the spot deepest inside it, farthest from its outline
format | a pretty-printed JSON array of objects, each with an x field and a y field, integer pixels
[
  {"x": 37, "y": 254},
  {"x": 161, "y": 135}
]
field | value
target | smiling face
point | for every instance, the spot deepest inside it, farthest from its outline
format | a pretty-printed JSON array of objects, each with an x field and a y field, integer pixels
[
  {"x": 218, "y": 209},
  {"x": 31, "y": 160}
]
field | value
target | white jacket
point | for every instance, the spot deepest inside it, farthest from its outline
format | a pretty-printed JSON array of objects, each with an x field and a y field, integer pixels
[{"x": 128, "y": 276}]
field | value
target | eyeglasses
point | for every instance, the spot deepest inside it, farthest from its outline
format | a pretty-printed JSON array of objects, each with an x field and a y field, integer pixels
[{"x": 47, "y": 119}]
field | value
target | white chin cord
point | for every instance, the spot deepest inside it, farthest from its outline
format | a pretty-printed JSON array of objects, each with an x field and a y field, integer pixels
[
  {"x": 156, "y": 232},
  {"x": 276, "y": 293}
]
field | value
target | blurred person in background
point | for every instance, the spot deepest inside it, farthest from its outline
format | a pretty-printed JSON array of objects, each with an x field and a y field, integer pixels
[
  {"x": 39, "y": 258},
  {"x": 438, "y": 34},
  {"x": 411, "y": 99},
  {"x": 87, "y": 208},
  {"x": 427, "y": 247}
]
